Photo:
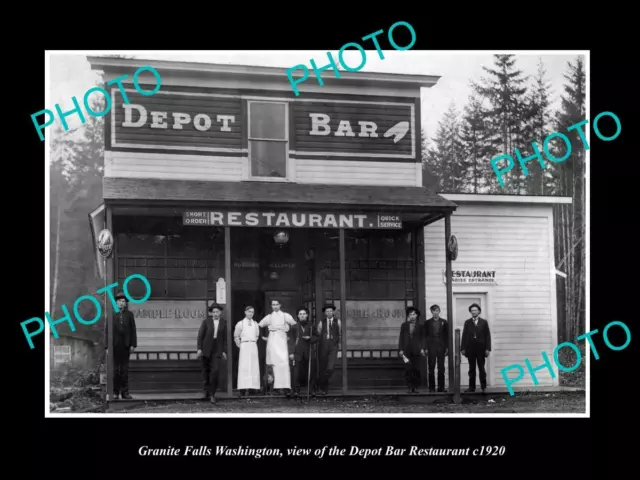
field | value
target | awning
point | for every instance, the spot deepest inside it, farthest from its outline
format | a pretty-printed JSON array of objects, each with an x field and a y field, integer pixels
[{"x": 135, "y": 191}]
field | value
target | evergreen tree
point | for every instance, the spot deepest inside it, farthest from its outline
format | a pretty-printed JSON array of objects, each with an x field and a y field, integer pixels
[
  {"x": 77, "y": 164},
  {"x": 570, "y": 219},
  {"x": 506, "y": 117},
  {"x": 474, "y": 137},
  {"x": 446, "y": 158},
  {"x": 540, "y": 180},
  {"x": 430, "y": 178}
]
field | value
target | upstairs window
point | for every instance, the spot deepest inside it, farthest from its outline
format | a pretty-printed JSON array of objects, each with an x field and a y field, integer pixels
[{"x": 268, "y": 140}]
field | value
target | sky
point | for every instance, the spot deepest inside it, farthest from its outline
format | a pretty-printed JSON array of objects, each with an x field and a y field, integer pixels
[{"x": 71, "y": 74}]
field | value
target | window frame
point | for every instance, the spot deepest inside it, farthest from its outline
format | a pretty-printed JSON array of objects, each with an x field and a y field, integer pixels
[{"x": 288, "y": 169}]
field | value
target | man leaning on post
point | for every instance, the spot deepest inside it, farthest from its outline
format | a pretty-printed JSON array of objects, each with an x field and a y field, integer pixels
[
  {"x": 476, "y": 345},
  {"x": 124, "y": 342}
]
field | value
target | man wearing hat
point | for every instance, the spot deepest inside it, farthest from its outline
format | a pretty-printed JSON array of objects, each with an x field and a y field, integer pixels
[
  {"x": 476, "y": 345},
  {"x": 436, "y": 331},
  {"x": 301, "y": 337},
  {"x": 411, "y": 346},
  {"x": 329, "y": 331},
  {"x": 212, "y": 347},
  {"x": 124, "y": 342}
]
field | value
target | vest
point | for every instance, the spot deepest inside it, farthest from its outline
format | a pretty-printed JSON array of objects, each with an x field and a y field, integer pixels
[{"x": 334, "y": 334}]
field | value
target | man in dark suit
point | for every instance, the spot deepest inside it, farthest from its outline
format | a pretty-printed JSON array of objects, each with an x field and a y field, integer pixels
[
  {"x": 411, "y": 346},
  {"x": 436, "y": 332},
  {"x": 476, "y": 345},
  {"x": 329, "y": 331},
  {"x": 301, "y": 337},
  {"x": 124, "y": 342},
  {"x": 212, "y": 346}
]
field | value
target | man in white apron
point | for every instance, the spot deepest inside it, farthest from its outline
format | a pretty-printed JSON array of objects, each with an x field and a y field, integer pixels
[
  {"x": 278, "y": 323},
  {"x": 246, "y": 335}
]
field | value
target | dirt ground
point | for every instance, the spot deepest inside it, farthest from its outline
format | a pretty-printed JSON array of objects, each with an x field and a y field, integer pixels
[{"x": 566, "y": 402}]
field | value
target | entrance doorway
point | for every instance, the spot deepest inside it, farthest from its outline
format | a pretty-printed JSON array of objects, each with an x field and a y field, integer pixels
[
  {"x": 270, "y": 264},
  {"x": 461, "y": 302}
]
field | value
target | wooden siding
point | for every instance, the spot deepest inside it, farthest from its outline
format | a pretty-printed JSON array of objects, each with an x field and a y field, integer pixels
[
  {"x": 216, "y": 155},
  {"x": 517, "y": 242},
  {"x": 341, "y": 172},
  {"x": 210, "y": 167},
  {"x": 353, "y": 141}
]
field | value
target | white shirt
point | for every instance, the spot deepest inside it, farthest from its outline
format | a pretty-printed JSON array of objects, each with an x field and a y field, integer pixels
[
  {"x": 475, "y": 321},
  {"x": 215, "y": 328}
]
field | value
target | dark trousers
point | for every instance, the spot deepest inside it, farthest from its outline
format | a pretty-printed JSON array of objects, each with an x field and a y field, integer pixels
[
  {"x": 328, "y": 356},
  {"x": 475, "y": 355},
  {"x": 412, "y": 370},
  {"x": 121, "y": 371},
  {"x": 436, "y": 356},
  {"x": 301, "y": 372},
  {"x": 211, "y": 372},
  {"x": 262, "y": 360}
]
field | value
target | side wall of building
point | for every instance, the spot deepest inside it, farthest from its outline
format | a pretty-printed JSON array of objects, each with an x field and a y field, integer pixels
[{"x": 517, "y": 242}]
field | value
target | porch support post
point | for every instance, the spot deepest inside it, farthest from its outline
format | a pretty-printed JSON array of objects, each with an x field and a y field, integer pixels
[
  {"x": 420, "y": 292},
  {"x": 108, "y": 307},
  {"x": 447, "y": 235},
  {"x": 229, "y": 315},
  {"x": 343, "y": 310}
]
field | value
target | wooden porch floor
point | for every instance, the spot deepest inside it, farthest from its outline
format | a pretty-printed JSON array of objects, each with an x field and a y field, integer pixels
[{"x": 337, "y": 393}]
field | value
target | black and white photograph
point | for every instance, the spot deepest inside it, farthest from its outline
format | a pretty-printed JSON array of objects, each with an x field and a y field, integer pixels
[{"x": 262, "y": 238}]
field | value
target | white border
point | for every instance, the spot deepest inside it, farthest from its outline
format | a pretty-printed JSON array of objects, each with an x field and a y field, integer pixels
[{"x": 49, "y": 414}]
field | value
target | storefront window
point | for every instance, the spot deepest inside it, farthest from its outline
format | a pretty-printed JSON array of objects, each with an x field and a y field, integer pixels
[
  {"x": 379, "y": 264},
  {"x": 179, "y": 262}
]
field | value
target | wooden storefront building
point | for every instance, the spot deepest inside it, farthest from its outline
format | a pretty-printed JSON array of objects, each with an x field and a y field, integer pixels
[{"x": 223, "y": 185}]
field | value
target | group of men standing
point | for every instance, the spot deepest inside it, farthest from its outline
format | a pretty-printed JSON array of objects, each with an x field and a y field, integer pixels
[
  {"x": 287, "y": 350},
  {"x": 431, "y": 339},
  {"x": 287, "y": 347}
]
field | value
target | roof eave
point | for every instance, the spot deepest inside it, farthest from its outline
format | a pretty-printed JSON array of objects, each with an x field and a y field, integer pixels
[{"x": 209, "y": 69}]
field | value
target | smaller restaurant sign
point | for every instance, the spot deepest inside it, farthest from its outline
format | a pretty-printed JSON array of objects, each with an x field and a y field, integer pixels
[
  {"x": 471, "y": 277},
  {"x": 292, "y": 219}
]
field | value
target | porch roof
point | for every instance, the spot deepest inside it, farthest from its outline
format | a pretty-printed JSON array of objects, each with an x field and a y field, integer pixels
[{"x": 157, "y": 192}]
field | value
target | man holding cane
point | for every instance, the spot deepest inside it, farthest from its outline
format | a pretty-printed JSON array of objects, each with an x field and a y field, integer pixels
[{"x": 301, "y": 337}]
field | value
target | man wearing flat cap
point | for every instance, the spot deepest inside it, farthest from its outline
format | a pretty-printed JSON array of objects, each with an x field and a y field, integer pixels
[
  {"x": 329, "y": 331},
  {"x": 436, "y": 331},
  {"x": 124, "y": 342},
  {"x": 212, "y": 348},
  {"x": 411, "y": 346}
]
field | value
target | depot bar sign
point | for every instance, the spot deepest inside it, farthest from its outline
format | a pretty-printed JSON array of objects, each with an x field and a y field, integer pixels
[{"x": 291, "y": 219}]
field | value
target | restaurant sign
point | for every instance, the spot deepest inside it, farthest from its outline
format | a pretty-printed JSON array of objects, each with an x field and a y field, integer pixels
[
  {"x": 471, "y": 277},
  {"x": 291, "y": 219}
]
